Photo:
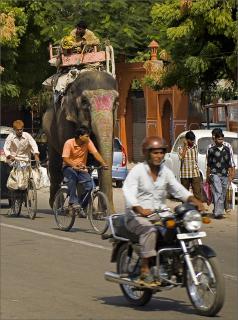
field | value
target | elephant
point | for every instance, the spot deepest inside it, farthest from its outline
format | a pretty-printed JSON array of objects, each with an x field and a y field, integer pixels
[{"x": 90, "y": 100}]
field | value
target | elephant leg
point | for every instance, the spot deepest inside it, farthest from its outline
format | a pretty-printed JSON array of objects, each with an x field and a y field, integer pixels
[{"x": 55, "y": 171}]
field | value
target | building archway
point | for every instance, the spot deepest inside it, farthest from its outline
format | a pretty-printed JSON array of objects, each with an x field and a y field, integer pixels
[
  {"x": 137, "y": 124},
  {"x": 167, "y": 123}
]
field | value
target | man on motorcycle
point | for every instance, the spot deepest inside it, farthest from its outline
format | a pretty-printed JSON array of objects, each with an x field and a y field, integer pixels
[{"x": 145, "y": 190}]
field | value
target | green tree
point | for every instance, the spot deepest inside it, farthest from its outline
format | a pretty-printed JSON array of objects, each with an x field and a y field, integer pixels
[
  {"x": 13, "y": 23},
  {"x": 201, "y": 39},
  {"x": 127, "y": 23}
]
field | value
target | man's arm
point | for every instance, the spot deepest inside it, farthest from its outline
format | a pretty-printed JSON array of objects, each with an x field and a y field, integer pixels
[
  {"x": 180, "y": 192},
  {"x": 7, "y": 148},
  {"x": 90, "y": 38},
  {"x": 196, "y": 202},
  {"x": 182, "y": 150},
  {"x": 70, "y": 163},
  {"x": 208, "y": 172},
  {"x": 34, "y": 148},
  {"x": 232, "y": 170},
  {"x": 99, "y": 158}
]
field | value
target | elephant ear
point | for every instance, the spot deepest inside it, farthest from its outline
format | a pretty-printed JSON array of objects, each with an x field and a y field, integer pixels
[{"x": 70, "y": 105}]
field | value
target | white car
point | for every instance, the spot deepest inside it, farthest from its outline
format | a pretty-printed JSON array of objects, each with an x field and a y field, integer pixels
[
  {"x": 4, "y": 132},
  {"x": 203, "y": 139}
]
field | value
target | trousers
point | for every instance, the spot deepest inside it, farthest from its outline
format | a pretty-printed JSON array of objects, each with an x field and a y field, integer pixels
[
  {"x": 74, "y": 177},
  {"x": 219, "y": 187},
  {"x": 196, "y": 186},
  {"x": 147, "y": 234}
]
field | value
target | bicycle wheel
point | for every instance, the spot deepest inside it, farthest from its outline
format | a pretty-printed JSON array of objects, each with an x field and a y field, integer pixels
[
  {"x": 31, "y": 199},
  {"x": 63, "y": 216},
  {"x": 16, "y": 199},
  {"x": 98, "y": 210}
]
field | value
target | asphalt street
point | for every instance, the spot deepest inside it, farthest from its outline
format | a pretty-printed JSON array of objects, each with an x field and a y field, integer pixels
[{"x": 47, "y": 274}]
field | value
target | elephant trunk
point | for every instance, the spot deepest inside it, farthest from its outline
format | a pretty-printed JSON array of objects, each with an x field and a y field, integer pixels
[{"x": 102, "y": 104}]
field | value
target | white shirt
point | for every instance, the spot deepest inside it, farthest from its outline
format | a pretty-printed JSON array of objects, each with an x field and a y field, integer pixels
[
  {"x": 140, "y": 189},
  {"x": 20, "y": 147}
]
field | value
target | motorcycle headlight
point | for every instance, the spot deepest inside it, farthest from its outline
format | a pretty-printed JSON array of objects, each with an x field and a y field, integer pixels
[{"x": 192, "y": 220}]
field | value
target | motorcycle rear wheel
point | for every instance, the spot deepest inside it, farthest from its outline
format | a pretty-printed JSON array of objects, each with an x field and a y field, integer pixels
[
  {"x": 134, "y": 295},
  {"x": 208, "y": 297}
]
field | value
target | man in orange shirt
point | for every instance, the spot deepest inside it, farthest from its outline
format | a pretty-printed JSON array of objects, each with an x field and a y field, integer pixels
[{"x": 74, "y": 156}]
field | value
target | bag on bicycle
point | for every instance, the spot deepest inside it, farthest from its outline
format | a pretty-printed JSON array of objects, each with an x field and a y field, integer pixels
[{"x": 18, "y": 179}]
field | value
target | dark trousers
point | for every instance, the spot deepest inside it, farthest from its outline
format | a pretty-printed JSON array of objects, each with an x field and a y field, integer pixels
[
  {"x": 196, "y": 186},
  {"x": 74, "y": 177}
]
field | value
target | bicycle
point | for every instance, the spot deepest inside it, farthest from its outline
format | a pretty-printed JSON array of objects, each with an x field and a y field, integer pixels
[
  {"x": 96, "y": 211},
  {"x": 27, "y": 196}
]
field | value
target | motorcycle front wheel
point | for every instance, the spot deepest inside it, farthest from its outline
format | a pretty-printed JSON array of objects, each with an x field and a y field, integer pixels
[
  {"x": 129, "y": 266},
  {"x": 208, "y": 297}
]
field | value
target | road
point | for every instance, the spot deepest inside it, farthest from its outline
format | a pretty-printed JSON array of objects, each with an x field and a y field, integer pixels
[{"x": 47, "y": 274}]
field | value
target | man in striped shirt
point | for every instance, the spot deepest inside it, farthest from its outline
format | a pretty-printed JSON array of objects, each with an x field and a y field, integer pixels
[{"x": 189, "y": 171}]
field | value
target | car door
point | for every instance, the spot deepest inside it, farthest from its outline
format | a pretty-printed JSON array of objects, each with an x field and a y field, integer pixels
[{"x": 172, "y": 160}]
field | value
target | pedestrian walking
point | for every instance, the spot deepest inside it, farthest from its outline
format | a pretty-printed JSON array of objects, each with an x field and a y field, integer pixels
[
  {"x": 219, "y": 173},
  {"x": 189, "y": 170},
  {"x": 227, "y": 144}
]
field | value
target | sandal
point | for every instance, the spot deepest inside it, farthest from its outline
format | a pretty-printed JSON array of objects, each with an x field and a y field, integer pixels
[{"x": 148, "y": 280}]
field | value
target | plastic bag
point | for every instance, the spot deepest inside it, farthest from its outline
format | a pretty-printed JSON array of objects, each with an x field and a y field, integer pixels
[
  {"x": 229, "y": 193},
  {"x": 40, "y": 177},
  {"x": 36, "y": 175},
  {"x": 18, "y": 178},
  {"x": 207, "y": 192}
]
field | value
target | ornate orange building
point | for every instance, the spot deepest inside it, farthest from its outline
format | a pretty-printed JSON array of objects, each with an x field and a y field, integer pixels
[{"x": 149, "y": 112}]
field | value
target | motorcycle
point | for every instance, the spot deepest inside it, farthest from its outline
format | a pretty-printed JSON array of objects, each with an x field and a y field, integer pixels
[{"x": 182, "y": 259}]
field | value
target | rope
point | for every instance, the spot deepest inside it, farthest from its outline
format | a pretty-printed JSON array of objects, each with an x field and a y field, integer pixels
[{"x": 110, "y": 54}]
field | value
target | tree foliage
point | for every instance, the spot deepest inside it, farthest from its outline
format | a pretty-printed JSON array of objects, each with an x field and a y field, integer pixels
[
  {"x": 202, "y": 42},
  {"x": 32, "y": 24}
]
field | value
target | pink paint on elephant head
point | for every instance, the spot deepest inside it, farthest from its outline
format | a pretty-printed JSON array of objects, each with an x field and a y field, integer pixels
[{"x": 102, "y": 102}]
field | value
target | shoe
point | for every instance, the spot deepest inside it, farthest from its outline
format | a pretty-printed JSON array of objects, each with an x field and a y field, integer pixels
[
  {"x": 219, "y": 217},
  {"x": 147, "y": 280},
  {"x": 75, "y": 206},
  {"x": 10, "y": 213},
  {"x": 82, "y": 213}
]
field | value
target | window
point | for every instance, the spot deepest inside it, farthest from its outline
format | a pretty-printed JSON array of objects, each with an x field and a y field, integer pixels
[
  {"x": 116, "y": 146},
  {"x": 2, "y": 141},
  {"x": 4, "y": 135},
  {"x": 234, "y": 143},
  {"x": 203, "y": 143},
  {"x": 178, "y": 143}
]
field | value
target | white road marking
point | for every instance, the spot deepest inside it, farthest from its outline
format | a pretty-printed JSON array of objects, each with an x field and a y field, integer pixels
[
  {"x": 85, "y": 243},
  {"x": 230, "y": 277}
]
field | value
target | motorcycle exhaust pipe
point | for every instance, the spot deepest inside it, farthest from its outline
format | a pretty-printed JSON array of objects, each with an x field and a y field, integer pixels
[{"x": 115, "y": 277}]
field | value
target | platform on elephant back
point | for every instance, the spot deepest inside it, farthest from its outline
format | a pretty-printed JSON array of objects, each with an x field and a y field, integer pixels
[{"x": 66, "y": 58}]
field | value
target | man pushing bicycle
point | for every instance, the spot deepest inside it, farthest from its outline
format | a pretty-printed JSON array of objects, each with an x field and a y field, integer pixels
[
  {"x": 18, "y": 148},
  {"x": 75, "y": 153}
]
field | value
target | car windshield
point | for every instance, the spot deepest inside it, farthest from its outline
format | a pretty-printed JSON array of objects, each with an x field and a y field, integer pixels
[
  {"x": 203, "y": 143},
  {"x": 116, "y": 146},
  {"x": 4, "y": 135},
  {"x": 2, "y": 143}
]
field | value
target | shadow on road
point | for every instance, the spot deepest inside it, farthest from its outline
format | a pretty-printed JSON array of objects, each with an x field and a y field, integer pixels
[{"x": 156, "y": 304}]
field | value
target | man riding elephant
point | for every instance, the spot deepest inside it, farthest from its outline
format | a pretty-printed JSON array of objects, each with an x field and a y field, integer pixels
[{"x": 90, "y": 100}]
